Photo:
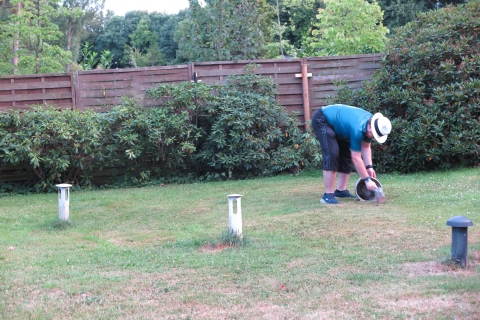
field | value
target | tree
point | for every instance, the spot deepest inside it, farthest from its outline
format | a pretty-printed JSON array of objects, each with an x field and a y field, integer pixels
[
  {"x": 143, "y": 38},
  {"x": 166, "y": 41},
  {"x": 113, "y": 39},
  {"x": 349, "y": 27},
  {"x": 398, "y": 12},
  {"x": 76, "y": 20},
  {"x": 298, "y": 17},
  {"x": 224, "y": 30},
  {"x": 32, "y": 34},
  {"x": 5, "y": 10},
  {"x": 151, "y": 57}
]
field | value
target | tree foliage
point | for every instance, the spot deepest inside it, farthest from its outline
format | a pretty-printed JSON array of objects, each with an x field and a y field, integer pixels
[
  {"x": 224, "y": 30},
  {"x": 429, "y": 85},
  {"x": 220, "y": 30},
  {"x": 349, "y": 27},
  {"x": 166, "y": 37},
  {"x": 399, "y": 12},
  {"x": 143, "y": 50},
  {"x": 113, "y": 39},
  {"x": 297, "y": 18},
  {"x": 79, "y": 18},
  {"x": 33, "y": 35}
]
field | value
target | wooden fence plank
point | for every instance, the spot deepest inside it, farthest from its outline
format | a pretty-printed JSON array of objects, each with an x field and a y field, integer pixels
[
  {"x": 35, "y": 85},
  {"x": 39, "y": 96}
]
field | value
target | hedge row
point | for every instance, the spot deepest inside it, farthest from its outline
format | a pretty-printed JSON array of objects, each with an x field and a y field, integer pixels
[
  {"x": 429, "y": 86},
  {"x": 200, "y": 132}
]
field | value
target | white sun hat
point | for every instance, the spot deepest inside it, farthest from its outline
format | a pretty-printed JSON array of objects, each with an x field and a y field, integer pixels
[{"x": 381, "y": 127}]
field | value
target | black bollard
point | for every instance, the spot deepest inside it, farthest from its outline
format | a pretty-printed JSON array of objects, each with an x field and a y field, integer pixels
[{"x": 460, "y": 226}]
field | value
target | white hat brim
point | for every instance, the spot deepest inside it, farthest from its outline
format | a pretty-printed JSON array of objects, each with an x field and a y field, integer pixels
[{"x": 378, "y": 138}]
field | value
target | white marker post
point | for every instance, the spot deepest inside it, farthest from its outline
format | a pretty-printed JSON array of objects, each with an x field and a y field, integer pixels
[
  {"x": 235, "y": 219},
  {"x": 63, "y": 201}
]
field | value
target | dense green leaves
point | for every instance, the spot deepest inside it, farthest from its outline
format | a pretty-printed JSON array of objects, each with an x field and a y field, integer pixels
[
  {"x": 54, "y": 146},
  {"x": 349, "y": 27},
  {"x": 155, "y": 141},
  {"x": 217, "y": 30},
  {"x": 249, "y": 133},
  {"x": 70, "y": 146},
  {"x": 245, "y": 132},
  {"x": 429, "y": 86},
  {"x": 224, "y": 30},
  {"x": 298, "y": 17},
  {"x": 33, "y": 36}
]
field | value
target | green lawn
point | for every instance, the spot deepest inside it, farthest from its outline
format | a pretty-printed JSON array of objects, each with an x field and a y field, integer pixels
[{"x": 150, "y": 253}]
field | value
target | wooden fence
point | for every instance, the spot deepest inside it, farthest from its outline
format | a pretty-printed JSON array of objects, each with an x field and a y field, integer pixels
[
  {"x": 302, "y": 85},
  {"x": 18, "y": 92}
]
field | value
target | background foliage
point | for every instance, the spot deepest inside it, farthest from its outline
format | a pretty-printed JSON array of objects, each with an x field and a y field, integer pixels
[
  {"x": 429, "y": 86},
  {"x": 211, "y": 32},
  {"x": 348, "y": 27},
  {"x": 32, "y": 34},
  {"x": 224, "y": 30}
]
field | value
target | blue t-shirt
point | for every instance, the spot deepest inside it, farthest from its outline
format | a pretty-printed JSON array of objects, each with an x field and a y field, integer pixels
[{"x": 349, "y": 123}]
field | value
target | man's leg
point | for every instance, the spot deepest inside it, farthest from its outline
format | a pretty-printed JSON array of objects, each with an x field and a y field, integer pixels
[
  {"x": 329, "y": 146},
  {"x": 344, "y": 169},
  {"x": 342, "y": 181},
  {"x": 329, "y": 180}
]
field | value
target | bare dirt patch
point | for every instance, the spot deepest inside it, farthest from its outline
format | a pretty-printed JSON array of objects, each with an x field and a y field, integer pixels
[
  {"x": 442, "y": 268},
  {"x": 217, "y": 247},
  {"x": 433, "y": 268},
  {"x": 433, "y": 307}
]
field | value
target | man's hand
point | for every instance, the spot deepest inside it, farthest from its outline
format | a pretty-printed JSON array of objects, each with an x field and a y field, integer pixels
[
  {"x": 371, "y": 185},
  {"x": 371, "y": 173}
]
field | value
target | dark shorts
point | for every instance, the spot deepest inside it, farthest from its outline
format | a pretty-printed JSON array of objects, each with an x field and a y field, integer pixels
[{"x": 336, "y": 153}]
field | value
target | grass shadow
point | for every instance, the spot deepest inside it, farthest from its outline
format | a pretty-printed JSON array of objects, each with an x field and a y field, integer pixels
[{"x": 57, "y": 225}]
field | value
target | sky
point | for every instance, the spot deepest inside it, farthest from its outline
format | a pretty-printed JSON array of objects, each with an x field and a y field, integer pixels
[{"x": 120, "y": 7}]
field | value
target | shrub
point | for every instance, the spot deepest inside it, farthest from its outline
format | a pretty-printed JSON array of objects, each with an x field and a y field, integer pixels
[
  {"x": 198, "y": 131},
  {"x": 135, "y": 144},
  {"x": 153, "y": 142},
  {"x": 245, "y": 132},
  {"x": 429, "y": 86},
  {"x": 55, "y": 146}
]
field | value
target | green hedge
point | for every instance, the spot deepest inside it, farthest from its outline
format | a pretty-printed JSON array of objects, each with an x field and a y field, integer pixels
[
  {"x": 429, "y": 86},
  {"x": 245, "y": 132},
  {"x": 199, "y": 132}
]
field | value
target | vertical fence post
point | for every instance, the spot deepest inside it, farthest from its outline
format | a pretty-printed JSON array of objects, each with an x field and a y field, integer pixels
[{"x": 306, "y": 98}]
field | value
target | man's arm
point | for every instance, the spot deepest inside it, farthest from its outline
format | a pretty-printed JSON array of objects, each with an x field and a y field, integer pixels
[
  {"x": 367, "y": 158},
  {"x": 359, "y": 164}
]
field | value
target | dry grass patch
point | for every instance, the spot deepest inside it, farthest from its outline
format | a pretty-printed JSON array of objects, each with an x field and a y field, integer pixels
[
  {"x": 419, "y": 269},
  {"x": 464, "y": 306}
]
